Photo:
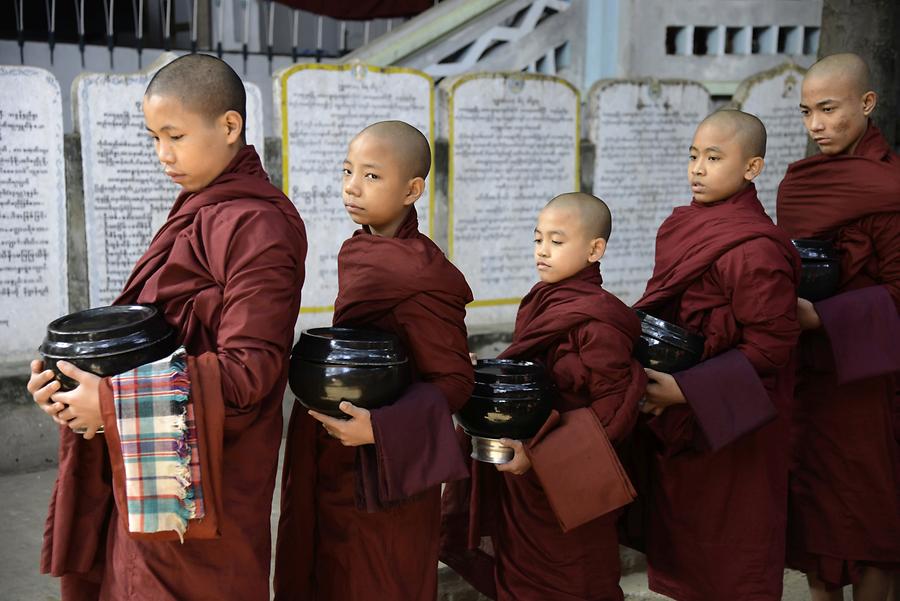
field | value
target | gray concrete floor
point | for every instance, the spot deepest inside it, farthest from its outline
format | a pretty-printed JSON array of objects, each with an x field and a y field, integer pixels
[{"x": 24, "y": 500}]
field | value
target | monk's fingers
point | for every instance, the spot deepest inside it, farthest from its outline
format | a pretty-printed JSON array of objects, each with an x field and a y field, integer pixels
[
  {"x": 327, "y": 420},
  {"x": 43, "y": 395},
  {"x": 53, "y": 409},
  {"x": 512, "y": 443},
  {"x": 352, "y": 410},
  {"x": 79, "y": 375},
  {"x": 658, "y": 411},
  {"x": 473, "y": 358}
]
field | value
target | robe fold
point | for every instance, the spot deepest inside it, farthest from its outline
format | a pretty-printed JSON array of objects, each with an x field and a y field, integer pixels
[
  {"x": 226, "y": 271},
  {"x": 553, "y": 530},
  {"x": 845, "y": 482},
  {"x": 714, "y": 486},
  {"x": 363, "y": 522}
]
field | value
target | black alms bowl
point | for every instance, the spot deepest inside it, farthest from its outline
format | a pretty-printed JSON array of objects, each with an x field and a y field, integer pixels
[
  {"x": 365, "y": 367},
  {"x": 820, "y": 269},
  {"x": 107, "y": 340},
  {"x": 665, "y": 347},
  {"x": 510, "y": 400}
]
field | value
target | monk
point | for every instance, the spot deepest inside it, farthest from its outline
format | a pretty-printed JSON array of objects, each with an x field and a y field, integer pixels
[
  {"x": 717, "y": 498},
  {"x": 554, "y": 522},
  {"x": 360, "y": 508},
  {"x": 225, "y": 270},
  {"x": 845, "y": 482}
]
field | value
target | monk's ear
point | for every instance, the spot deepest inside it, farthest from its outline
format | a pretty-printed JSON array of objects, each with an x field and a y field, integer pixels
[
  {"x": 414, "y": 191},
  {"x": 869, "y": 100},
  {"x": 234, "y": 126},
  {"x": 598, "y": 249},
  {"x": 754, "y": 168}
]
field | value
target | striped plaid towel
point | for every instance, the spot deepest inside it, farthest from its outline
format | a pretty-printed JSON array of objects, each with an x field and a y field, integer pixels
[{"x": 156, "y": 425}]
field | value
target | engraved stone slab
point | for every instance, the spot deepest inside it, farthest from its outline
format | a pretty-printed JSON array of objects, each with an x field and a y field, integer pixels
[
  {"x": 513, "y": 145},
  {"x": 33, "y": 269},
  {"x": 642, "y": 131},
  {"x": 322, "y": 107}
]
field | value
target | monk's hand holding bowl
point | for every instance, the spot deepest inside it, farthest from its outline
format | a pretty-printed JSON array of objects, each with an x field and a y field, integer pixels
[
  {"x": 82, "y": 411},
  {"x": 807, "y": 316},
  {"x": 351, "y": 432},
  {"x": 662, "y": 392},
  {"x": 520, "y": 463},
  {"x": 42, "y": 384}
]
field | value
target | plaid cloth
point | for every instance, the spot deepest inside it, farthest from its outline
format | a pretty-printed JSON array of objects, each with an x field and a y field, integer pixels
[{"x": 155, "y": 418}]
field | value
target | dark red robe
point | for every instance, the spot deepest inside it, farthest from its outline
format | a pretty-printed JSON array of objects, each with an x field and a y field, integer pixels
[
  {"x": 363, "y": 522},
  {"x": 716, "y": 500},
  {"x": 845, "y": 482},
  {"x": 226, "y": 269},
  {"x": 553, "y": 529}
]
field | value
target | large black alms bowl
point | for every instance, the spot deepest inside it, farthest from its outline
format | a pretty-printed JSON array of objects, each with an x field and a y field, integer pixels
[
  {"x": 107, "y": 340},
  {"x": 510, "y": 400},
  {"x": 820, "y": 269},
  {"x": 665, "y": 347},
  {"x": 365, "y": 367}
]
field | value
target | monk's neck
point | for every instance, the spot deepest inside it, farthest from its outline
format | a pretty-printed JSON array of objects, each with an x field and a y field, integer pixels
[{"x": 389, "y": 230}]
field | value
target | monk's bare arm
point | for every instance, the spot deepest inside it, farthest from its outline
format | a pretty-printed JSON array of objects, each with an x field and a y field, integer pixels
[
  {"x": 759, "y": 280},
  {"x": 260, "y": 261},
  {"x": 440, "y": 351}
]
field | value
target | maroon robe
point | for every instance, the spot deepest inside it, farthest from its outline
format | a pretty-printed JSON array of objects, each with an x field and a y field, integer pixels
[
  {"x": 845, "y": 482},
  {"x": 226, "y": 270},
  {"x": 363, "y": 522},
  {"x": 585, "y": 337},
  {"x": 716, "y": 501}
]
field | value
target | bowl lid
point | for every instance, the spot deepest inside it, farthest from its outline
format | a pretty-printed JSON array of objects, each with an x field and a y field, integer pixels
[
  {"x": 816, "y": 250},
  {"x": 352, "y": 346},
  {"x": 508, "y": 371},
  {"x": 104, "y": 323},
  {"x": 669, "y": 333}
]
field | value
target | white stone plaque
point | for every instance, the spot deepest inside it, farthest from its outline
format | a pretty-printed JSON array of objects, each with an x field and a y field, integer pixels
[
  {"x": 514, "y": 145},
  {"x": 127, "y": 196},
  {"x": 33, "y": 269},
  {"x": 642, "y": 131},
  {"x": 322, "y": 108},
  {"x": 774, "y": 97}
]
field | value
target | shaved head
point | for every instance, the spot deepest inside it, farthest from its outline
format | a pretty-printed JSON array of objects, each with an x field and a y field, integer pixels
[
  {"x": 594, "y": 216},
  {"x": 849, "y": 71},
  {"x": 203, "y": 84},
  {"x": 408, "y": 145},
  {"x": 748, "y": 128}
]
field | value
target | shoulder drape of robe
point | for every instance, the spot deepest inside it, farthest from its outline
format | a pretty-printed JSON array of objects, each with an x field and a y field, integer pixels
[
  {"x": 715, "y": 500},
  {"x": 364, "y": 519},
  {"x": 845, "y": 513},
  {"x": 226, "y": 270},
  {"x": 585, "y": 337}
]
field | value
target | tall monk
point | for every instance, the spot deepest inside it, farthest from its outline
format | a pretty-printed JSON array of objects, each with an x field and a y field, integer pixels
[
  {"x": 845, "y": 483},
  {"x": 360, "y": 509},
  {"x": 551, "y": 512},
  {"x": 225, "y": 270},
  {"x": 719, "y": 466}
]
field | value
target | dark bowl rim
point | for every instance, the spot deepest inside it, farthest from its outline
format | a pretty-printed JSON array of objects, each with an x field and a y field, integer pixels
[
  {"x": 815, "y": 249},
  {"x": 131, "y": 349},
  {"x": 383, "y": 335},
  {"x": 673, "y": 334},
  {"x": 154, "y": 315},
  {"x": 392, "y": 363}
]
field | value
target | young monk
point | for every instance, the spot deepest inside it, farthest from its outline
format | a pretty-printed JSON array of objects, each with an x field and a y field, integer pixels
[
  {"x": 845, "y": 484},
  {"x": 360, "y": 509},
  {"x": 718, "y": 486},
  {"x": 226, "y": 271},
  {"x": 552, "y": 515}
]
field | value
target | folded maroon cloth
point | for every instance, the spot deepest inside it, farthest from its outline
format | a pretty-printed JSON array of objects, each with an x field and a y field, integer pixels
[
  {"x": 415, "y": 448},
  {"x": 578, "y": 468},
  {"x": 727, "y": 397},
  {"x": 864, "y": 331}
]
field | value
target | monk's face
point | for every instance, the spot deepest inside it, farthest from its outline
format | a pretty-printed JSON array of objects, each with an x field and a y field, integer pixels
[
  {"x": 193, "y": 149},
  {"x": 718, "y": 166},
  {"x": 377, "y": 189},
  {"x": 561, "y": 246},
  {"x": 835, "y": 113}
]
